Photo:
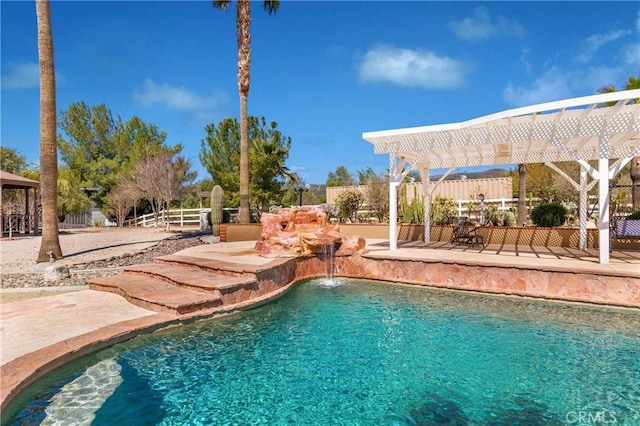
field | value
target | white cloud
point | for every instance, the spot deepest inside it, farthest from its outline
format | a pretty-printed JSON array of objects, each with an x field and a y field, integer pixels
[
  {"x": 21, "y": 76},
  {"x": 598, "y": 77},
  {"x": 178, "y": 98},
  {"x": 558, "y": 84},
  {"x": 524, "y": 59},
  {"x": 552, "y": 86},
  {"x": 482, "y": 26},
  {"x": 411, "y": 68},
  {"x": 594, "y": 42},
  {"x": 631, "y": 54}
]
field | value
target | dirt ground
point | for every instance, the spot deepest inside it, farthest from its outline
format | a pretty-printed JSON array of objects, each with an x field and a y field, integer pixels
[{"x": 18, "y": 255}]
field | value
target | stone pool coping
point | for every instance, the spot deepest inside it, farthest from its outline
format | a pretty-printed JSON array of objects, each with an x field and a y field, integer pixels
[{"x": 550, "y": 276}]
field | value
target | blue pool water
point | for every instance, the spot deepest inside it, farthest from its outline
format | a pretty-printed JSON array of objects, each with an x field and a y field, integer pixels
[{"x": 353, "y": 352}]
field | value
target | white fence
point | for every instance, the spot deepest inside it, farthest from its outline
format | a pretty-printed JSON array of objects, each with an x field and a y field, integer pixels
[{"x": 177, "y": 217}]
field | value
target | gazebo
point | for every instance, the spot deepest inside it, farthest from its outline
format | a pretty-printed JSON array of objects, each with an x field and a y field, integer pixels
[
  {"x": 28, "y": 221},
  {"x": 579, "y": 129}
]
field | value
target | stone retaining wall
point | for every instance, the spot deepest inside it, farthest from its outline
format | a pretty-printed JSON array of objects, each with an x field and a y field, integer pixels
[{"x": 612, "y": 289}]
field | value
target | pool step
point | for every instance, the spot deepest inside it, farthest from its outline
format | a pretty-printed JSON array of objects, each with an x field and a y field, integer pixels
[
  {"x": 211, "y": 265},
  {"x": 192, "y": 277},
  {"x": 155, "y": 294},
  {"x": 177, "y": 288}
]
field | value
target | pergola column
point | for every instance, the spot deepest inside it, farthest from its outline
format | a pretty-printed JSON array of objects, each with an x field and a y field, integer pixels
[
  {"x": 36, "y": 219},
  {"x": 395, "y": 178},
  {"x": 26, "y": 211},
  {"x": 393, "y": 214},
  {"x": 603, "y": 204},
  {"x": 426, "y": 183},
  {"x": 584, "y": 207}
]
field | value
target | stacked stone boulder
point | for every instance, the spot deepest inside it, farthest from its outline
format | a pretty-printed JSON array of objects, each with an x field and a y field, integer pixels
[{"x": 303, "y": 231}]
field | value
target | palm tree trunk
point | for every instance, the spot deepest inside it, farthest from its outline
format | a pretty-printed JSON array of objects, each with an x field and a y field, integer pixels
[
  {"x": 522, "y": 194},
  {"x": 50, "y": 244},
  {"x": 634, "y": 172},
  {"x": 243, "y": 22}
]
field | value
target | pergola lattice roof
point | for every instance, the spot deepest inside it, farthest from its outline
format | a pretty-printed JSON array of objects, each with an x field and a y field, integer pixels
[
  {"x": 599, "y": 127},
  {"x": 565, "y": 130}
]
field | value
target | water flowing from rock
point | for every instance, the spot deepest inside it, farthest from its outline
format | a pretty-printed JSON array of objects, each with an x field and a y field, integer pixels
[{"x": 328, "y": 256}]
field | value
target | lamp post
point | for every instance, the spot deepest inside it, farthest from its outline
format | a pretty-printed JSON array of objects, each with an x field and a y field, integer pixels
[
  {"x": 481, "y": 198},
  {"x": 300, "y": 187}
]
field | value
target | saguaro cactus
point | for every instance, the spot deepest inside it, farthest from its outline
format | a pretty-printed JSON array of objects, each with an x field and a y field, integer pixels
[{"x": 216, "y": 210}]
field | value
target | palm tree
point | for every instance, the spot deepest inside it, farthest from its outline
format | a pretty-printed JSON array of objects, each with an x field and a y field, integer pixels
[
  {"x": 522, "y": 194},
  {"x": 634, "y": 167},
  {"x": 243, "y": 22},
  {"x": 50, "y": 244}
]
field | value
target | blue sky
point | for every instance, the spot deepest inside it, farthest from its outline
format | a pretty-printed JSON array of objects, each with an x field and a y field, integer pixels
[{"x": 324, "y": 71}]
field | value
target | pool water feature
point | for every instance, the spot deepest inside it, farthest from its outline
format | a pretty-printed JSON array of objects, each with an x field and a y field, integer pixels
[{"x": 363, "y": 353}]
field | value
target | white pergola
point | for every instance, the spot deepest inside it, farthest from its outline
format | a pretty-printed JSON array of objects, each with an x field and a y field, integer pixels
[{"x": 578, "y": 129}]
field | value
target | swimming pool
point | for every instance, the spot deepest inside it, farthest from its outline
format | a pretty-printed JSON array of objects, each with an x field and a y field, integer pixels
[{"x": 360, "y": 352}]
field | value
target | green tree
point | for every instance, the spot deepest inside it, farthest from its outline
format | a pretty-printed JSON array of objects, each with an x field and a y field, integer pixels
[
  {"x": 71, "y": 198},
  {"x": 366, "y": 175},
  {"x": 50, "y": 243},
  {"x": 91, "y": 131},
  {"x": 634, "y": 169},
  {"x": 540, "y": 180},
  {"x": 269, "y": 173},
  {"x": 101, "y": 148},
  {"x": 269, "y": 151},
  {"x": 243, "y": 33},
  {"x": 137, "y": 140},
  {"x": 220, "y": 155},
  {"x": 193, "y": 200},
  {"x": 341, "y": 177},
  {"x": 12, "y": 161}
]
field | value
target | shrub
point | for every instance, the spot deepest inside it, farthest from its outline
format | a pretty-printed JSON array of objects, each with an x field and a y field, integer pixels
[
  {"x": 509, "y": 219},
  {"x": 634, "y": 216},
  {"x": 492, "y": 216},
  {"x": 548, "y": 215},
  {"x": 349, "y": 202}
]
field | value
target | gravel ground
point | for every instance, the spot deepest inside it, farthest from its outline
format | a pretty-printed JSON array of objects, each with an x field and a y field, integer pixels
[{"x": 111, "y": 266}]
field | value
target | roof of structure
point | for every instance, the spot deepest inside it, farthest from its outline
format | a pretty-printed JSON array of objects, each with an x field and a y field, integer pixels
[
  {"x": 11, "y": 181},
  {"x": 565, "y": 130}
]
